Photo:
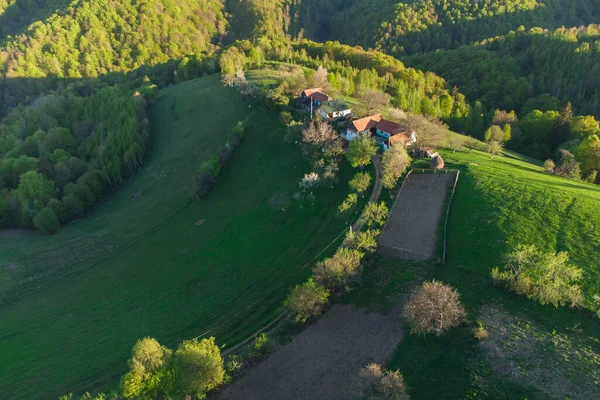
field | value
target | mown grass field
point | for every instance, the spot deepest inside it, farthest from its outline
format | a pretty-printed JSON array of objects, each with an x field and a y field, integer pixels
[
  {"x": 498, "y": 204},
  {"x": 140, "y": 265}
]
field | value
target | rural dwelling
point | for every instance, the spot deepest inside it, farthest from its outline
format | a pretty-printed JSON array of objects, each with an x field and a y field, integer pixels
[
  {"x": 311, "y": 99},
  {"x": 334, "y": 109},
  {"x": 386, "y": 133},
  {"x": 362, "y": 126}
]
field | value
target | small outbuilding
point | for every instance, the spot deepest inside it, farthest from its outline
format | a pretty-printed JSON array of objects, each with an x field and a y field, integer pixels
[{"x": 334, "y": 109}]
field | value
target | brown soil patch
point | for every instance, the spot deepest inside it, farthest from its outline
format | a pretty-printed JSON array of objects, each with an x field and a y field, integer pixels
[
  {"x": 411, "y": 230},
  {"x": 563, "y": 366},
  {"x": 322, "y": 362}
]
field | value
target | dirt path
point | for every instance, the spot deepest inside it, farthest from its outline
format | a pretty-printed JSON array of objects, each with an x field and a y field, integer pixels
[
  {"x": 376, "y": 159},
  {"x": 324, "y": 360}
]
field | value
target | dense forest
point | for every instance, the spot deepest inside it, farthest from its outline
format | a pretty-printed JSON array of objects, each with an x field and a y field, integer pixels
[
  {"x": 87, "y": 39},
  {"x": 419, "y": 26},
  {"x": 65, "y": 151}
]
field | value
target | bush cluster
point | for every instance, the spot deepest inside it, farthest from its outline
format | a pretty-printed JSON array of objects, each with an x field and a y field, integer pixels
[
  {"x": 336, "y": 274},
  {"x": 545, "y": 277},
  {"x": 210, "y": 169}
]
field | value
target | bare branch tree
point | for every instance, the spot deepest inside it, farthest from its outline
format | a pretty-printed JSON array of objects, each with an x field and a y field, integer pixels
[
  {"x": 319, "y": 132},
  {"x": 434, "y": 308}
]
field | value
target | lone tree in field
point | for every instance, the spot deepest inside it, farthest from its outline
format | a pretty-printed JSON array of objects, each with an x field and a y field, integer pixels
[
  {"x": 361, "y": 182},
  {"x": 394, "y": 163},
  {"x": 198, "y": 368},
  {"x": 433, "y": 308},
  {"x": 545, "y": 277},
  {"x": 307, "y": 300},
  {"x": 361, "y": 150},
  {"x": 147, "y": 370}
]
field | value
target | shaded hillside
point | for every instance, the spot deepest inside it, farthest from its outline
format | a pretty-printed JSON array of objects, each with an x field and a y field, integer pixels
[
  {"x": 410, "y": 27},
  {"x": 526, "y": 70}
]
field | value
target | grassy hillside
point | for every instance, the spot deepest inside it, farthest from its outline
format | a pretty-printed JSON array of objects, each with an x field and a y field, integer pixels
[
  {"x": 140, "y": 264},
  {"x": 544, "y": 352}
]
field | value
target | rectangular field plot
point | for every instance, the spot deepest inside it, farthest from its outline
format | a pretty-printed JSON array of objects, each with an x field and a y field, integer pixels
[{"x": 411, "y": 229}]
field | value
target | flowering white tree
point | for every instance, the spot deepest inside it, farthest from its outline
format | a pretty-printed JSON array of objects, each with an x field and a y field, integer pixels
[{"x": 309, "y": 181}]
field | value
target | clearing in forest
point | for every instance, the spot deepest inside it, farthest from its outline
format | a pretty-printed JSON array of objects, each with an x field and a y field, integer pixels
[
  {"x": 411, "y": 229},
  {"x": 324, "y": 361}
]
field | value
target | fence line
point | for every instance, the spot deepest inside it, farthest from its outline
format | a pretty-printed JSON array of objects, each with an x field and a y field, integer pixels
[
  {"x": 447, "y": 216},
  {"x": 400, "y": 252}
]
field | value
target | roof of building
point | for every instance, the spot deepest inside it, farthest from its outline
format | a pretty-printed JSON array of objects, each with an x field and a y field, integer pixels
[
  {"x": 317, "y": 94},
  {"x": 366, "y": 123},
  {"x": 334, "y": 105},
  {"x": 393, "y": 128}
]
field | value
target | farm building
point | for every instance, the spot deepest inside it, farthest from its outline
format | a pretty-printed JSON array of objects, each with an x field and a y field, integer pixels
[
  {"x": 334, "y": 109},
  {"x": 312, "y": 99},
  {"x": 386, "y": 133}
]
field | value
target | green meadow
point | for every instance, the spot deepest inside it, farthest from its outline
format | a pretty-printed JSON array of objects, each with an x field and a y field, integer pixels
[
  {"x": 500, "y": 203},
  {"x": 150, "y": 260}
]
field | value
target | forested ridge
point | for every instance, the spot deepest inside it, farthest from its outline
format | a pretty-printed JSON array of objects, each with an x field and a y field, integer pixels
[
  {"x": 411, "y": 27},
  {"x": 90, "y": 58}
]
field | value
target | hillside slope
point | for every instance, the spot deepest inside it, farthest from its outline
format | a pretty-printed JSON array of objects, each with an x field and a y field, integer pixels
[{"x": 152, "y": 261}]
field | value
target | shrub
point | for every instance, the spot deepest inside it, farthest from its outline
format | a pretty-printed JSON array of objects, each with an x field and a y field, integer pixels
[
  {"x": 362, "y": 241},
  {"x": 348, "y": 203},
  {"x": 480, "y": 332},
  {"x": 494, "y": 148},
  {"x": 209, "y": 171},
  {"x": 307, "y": 300},
  {"x": 338, "y": 271},
  {"x": 233, "y": 365},
  {"x": 374, "y": 215},
  {"x": 569, "y": 167},
  {"x": 285, "y": 117},
  {"x": 46, "y": 221},
  {"x": 236, "y": 135},
  {"x": 360, "y": 182},
  {"x": 198, "y": 367},
  {"x": 434, "y": 308},
  {"x": 375, "y": 383},
  {"x": 260, "y": 348},
  {"x": 549, "y": 166},
  {"x": 548, "y": 278}
]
